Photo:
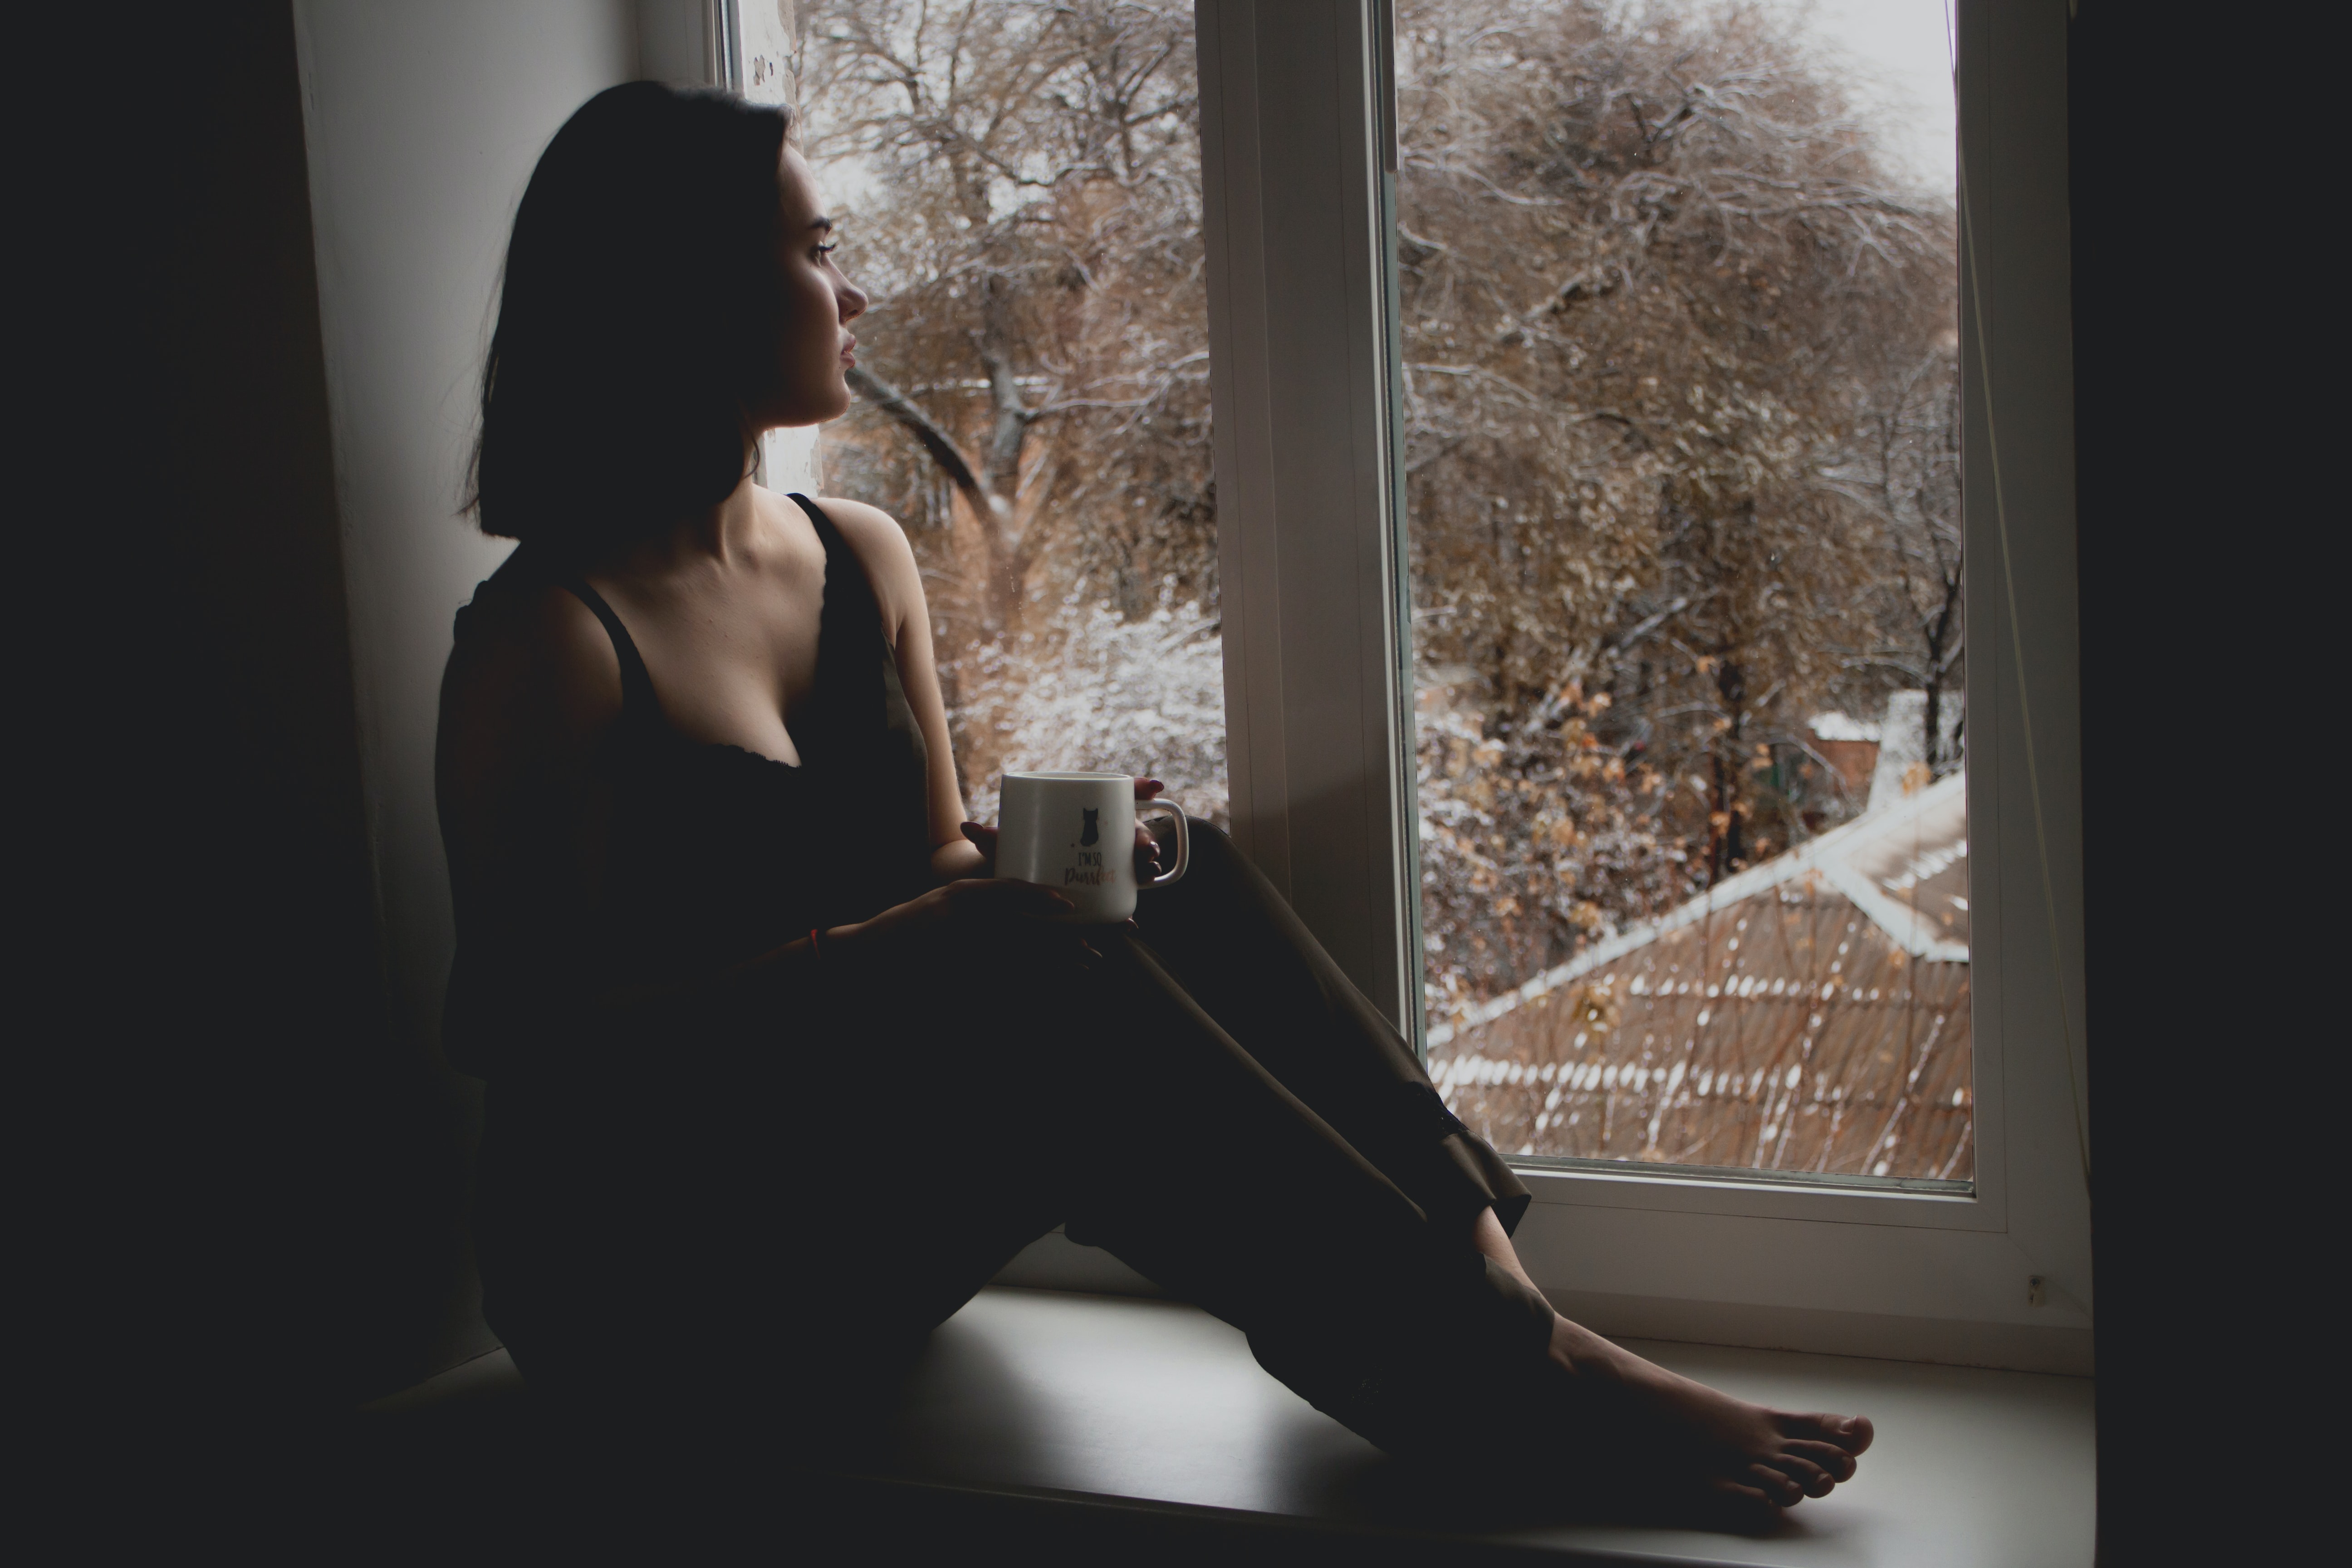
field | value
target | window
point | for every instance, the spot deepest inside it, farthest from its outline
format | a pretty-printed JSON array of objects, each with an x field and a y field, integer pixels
[
  {"x": 1678, "y": 313},
  {"x": 1332, "y": 401}
]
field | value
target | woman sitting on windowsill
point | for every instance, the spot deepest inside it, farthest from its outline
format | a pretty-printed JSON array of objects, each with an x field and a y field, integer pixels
[{"x": 775, "y": 1069}]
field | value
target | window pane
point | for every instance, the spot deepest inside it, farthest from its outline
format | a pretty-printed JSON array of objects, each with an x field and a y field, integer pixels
[
  {"x": 1019, "y": 189},
  {"x": 1678, "y": 308}
]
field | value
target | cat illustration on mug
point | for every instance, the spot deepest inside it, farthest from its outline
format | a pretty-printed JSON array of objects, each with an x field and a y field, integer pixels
[{"x": 1093, "y": 835}]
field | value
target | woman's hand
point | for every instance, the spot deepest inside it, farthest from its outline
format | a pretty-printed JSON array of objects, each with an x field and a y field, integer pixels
[{"x": 1147, "y": 848}]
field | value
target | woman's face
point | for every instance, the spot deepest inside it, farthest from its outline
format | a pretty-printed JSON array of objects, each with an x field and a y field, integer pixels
[{"x": 813, "y": 353}]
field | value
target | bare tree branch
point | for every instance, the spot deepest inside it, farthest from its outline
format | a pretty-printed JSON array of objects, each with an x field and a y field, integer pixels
[{"x": 899, "y": 408}]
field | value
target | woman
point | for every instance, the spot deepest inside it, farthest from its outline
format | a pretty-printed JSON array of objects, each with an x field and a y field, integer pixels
[{"x": 714, "y": 886}]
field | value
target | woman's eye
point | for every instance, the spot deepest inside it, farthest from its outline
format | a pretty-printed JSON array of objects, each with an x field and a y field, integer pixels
[{"x": 825, "y": 250}]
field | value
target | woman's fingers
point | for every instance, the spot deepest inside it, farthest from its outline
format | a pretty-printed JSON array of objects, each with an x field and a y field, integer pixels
[
  {"x": 1147, "y": 848},
  {"x": 982, "y": 838}
]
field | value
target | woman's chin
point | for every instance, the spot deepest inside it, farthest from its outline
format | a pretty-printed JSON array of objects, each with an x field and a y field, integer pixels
[
  {"x": 836, "y": 399},
  {"x": 803, "y": 416}
]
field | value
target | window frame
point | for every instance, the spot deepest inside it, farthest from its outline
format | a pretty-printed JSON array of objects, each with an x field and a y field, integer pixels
[{"x": 1295, "y": 119}]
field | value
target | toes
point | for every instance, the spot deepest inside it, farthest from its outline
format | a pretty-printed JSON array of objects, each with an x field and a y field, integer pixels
[
  {"x": 1747, "y": 1499},
  {"x": 1828, "y": 1455},
  {"x": 1815, "y": 1480},
  {"x": 1851, "y": 1433},
  {"x": 1775, "y": 1485}
]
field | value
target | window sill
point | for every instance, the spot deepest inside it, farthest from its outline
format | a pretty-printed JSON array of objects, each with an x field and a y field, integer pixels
[
  {"x": 1155, "y": 1405},
  {"x": 1113, "y": 1422},
  {"x": 1812, "y": 1311}
]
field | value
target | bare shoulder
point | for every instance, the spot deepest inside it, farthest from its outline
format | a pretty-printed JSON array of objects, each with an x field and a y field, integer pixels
[
  {"x": 883, "y": 549},
  {"x": 532, "y": 680},
  {"x": 873, "y": 534}
]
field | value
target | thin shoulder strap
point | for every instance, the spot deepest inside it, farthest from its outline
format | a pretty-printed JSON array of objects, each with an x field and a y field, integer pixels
[
  {"x": 846, "y": 581},
  {"x": 637, "y": 684},
  {"x": 826, "y": 531},
  {"x": 851, "y": 650}
]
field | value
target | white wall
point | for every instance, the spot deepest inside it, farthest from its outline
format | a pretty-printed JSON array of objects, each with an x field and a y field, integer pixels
[{"x": 424, "y": 120}]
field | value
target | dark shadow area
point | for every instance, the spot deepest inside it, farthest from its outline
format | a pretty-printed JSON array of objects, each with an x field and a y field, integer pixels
[
  {"x": 336, "y": 1147},
  {"x": 1377, "y": 1492},
  {"x": 261, "y": 1187},
  {"x": 2198, "y": 420},
  {"x": 926, "y": 1523}
]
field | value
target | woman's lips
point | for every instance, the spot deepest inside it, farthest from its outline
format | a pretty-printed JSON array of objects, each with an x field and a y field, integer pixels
[{"x": 849, "y": 352}]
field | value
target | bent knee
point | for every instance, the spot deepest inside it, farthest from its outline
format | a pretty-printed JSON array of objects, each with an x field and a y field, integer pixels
[{"x": 1207, "y": 838}]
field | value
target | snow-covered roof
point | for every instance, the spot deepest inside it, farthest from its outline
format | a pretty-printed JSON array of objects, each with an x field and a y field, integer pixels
[
  {"x": 1838, "y": 727},
  {"x": 1904, "y": 866}
]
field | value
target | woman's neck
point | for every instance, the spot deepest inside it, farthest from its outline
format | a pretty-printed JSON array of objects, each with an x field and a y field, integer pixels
[{"x": 719, "y": 535}]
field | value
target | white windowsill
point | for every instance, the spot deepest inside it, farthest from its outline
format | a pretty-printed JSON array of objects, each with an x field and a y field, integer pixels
[
  {"x": 1663, "y": 1299},
  {"x": 1156, "y": 1409},
  {"x": 1155, "y": 1402}
]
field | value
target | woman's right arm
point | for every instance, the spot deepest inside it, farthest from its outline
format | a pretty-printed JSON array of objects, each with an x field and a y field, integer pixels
[{"x": 530, "y": 693}]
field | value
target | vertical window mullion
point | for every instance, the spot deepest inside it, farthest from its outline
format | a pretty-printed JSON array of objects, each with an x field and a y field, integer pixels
[
  {"x": 1303, "y": 377},
  {"x": 1408, "y": 810}
]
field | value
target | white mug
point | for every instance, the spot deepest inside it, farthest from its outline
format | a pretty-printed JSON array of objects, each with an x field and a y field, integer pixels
[{"x": 1074, "y": 833}]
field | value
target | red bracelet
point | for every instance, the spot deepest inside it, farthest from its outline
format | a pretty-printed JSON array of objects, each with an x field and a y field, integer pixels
[{"x": 815, "y": 947}]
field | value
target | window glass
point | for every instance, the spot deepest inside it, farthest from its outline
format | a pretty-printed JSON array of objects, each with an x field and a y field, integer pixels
[
  {"x": 1677, "y": 300},
  {"x": 1019, "y": 189}
]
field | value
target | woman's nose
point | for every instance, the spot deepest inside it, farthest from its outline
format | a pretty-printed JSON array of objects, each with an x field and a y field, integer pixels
[{"x": 853, "y": 302}]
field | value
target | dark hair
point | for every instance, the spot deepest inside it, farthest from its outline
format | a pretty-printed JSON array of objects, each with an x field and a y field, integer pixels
[{"x": 637, "y": 319}]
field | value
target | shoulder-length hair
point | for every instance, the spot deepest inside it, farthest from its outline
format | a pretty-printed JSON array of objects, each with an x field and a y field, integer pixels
[{"x": 638, "y": 319}]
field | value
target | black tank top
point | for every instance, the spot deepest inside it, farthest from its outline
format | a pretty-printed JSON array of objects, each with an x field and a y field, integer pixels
[{"x": 716, "y": 854}]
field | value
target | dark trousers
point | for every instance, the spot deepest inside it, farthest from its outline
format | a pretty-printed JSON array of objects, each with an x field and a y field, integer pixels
[{"x": 1208, "y": 1097}]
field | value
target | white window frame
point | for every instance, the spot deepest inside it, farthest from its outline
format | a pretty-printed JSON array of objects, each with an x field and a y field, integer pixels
[
  {"x": 708, "y": 42},
  {"x": 1303, "y": 364}
]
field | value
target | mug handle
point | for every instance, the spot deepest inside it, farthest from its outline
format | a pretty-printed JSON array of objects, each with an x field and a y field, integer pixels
[{"x": 1184, "y": 841}]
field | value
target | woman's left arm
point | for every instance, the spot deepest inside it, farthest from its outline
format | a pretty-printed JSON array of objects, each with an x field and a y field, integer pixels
[{"x": 889, "y": 561}]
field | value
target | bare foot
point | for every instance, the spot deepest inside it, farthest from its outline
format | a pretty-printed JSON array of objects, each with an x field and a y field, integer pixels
[{"x": 1742, "y": 1452}]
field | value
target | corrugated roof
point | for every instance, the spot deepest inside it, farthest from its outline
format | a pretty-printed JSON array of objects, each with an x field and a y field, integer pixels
[{"x": 1811, "y": 1014}]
